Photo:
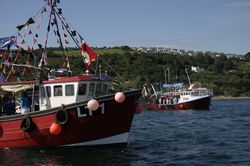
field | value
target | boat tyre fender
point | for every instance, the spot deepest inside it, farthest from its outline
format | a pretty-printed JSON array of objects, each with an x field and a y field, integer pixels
[
  {"x": 27, "y": 124},
  {"x": 62, "y": 116}
]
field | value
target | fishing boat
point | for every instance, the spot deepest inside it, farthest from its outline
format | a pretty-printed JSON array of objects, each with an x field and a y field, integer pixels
[
  {"x": 177, "y": 97},
  {"x": 66, "y": 108}
]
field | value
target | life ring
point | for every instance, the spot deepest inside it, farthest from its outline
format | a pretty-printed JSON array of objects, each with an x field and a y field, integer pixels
[
  {"x": 27, "y": 124},
  {"x": 62, "y": 116}
]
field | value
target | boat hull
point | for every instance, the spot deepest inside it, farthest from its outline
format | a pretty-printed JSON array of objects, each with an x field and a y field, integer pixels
[
  {"x": 202, "y": 103},
  {"x": 110, "y": 124}
]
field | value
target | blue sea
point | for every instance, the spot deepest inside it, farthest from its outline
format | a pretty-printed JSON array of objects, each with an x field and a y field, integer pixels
[{"x": 220, "y": 136}]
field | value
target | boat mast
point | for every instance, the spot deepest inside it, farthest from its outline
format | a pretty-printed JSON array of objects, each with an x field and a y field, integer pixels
[
  {"x": 189, "y": 81},
  {"x": 53, "y": 12}
]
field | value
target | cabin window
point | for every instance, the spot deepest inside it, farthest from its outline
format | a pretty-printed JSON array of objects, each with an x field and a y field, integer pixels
[
  {"x": 69, "y": 90},
  {"x": 58, "y": 90},
  {"x": 98, "y": 89},
  {"x": 104, "y": 89},
  {"x": 91, "y": 89},
  {"x": 42, "y": 92},
  {"x": 82, "y": 89},
  {"x": 48, "y": 90},
  {"x": 42, "y": 95}
]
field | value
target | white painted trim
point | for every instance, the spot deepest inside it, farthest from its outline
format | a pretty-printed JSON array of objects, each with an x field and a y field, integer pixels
[{"x": 120, "y": 138}]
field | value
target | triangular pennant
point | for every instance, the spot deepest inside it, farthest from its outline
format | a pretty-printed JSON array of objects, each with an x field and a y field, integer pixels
[
  {"x": 73, "y": 33},
  {"x": 30, "y": 21},
  {"x": 60, "y": 11},
  {"x": 30, "y": 32},
  {"x": 11, "y": 75},
  {"x": 19, "y": 55},
  {"x": 25, "y": 70},
  {"x": 40, "y": 46},
  {"x": 5, "y": 56},
  {"x": 66, "y": 41},
  {"x": 19, "y": 34},
  {"x": 34, "y": 40},
  {"x": 54, "y": 21},
  {"x": 23, "y": 41},
  {"x": 20, "y": 27}
]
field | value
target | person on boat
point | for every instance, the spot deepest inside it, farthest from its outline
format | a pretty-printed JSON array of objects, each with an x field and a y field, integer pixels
[
  {"x": 24, "y": 102},
  {"x": 2, "y": 78},
  {"x": 10, "y": 105}
]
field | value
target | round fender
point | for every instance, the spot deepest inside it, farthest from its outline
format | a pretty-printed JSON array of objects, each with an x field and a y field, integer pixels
[
  {"x": 62, "y": 117},
  {"x": 27, "y": 124}
]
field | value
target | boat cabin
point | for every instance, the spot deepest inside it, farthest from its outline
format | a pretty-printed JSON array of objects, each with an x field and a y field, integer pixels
[{"x": 62, "y": 87}]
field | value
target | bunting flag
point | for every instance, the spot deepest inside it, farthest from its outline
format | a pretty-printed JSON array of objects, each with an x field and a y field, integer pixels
[
  {"x": 73, "y": 33},
  {"x": 34, "y": 40},
  {"x": 30, "y": 32},
  {"x": 19, "y": 34},
  {"x": 59, "y": 11},
  {"x": 23, "y": 41},
  {"x": 30, "y": 21},
  {"x": 44, "y": 60},
  {"x": 66, "y": 41},
  {"x": 6, "y": 56},
  {"x": 11, "y": 75},
  {"x": 25, "y": 70},
  {"x": 88, "y": 54}
]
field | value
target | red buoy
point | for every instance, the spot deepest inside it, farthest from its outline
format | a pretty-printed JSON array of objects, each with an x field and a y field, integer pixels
[{"x": 55, "y": 128}]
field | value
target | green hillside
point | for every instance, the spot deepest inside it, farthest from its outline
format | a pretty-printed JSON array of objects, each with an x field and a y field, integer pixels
[{"x": 226, "y": 76}]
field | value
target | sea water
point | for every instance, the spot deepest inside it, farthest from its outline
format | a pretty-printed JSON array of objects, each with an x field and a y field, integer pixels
[{"x": 220, "y": 136}]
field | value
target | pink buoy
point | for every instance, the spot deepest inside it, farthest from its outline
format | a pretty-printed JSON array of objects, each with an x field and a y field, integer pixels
[
  {"x": 93, "y": 105},
  {"x": 55, "y": 128},
  {"x": 119, "y": 97},
  {"x": 138, "y": 108}
]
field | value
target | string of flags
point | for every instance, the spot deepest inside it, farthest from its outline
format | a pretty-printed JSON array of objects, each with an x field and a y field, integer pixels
[{"x": 28, "y": 35}]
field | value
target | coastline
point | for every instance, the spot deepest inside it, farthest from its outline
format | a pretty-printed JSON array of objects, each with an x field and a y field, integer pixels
[{"x": 229, "y": 97}]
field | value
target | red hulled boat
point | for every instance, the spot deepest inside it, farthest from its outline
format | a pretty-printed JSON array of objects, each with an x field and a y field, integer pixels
[
  {"x": 176, "y": 97},
  {"x": 67, "y": 109}
]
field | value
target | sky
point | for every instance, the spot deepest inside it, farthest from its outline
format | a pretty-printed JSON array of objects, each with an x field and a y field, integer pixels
[{"x": 199, "y": 25}]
